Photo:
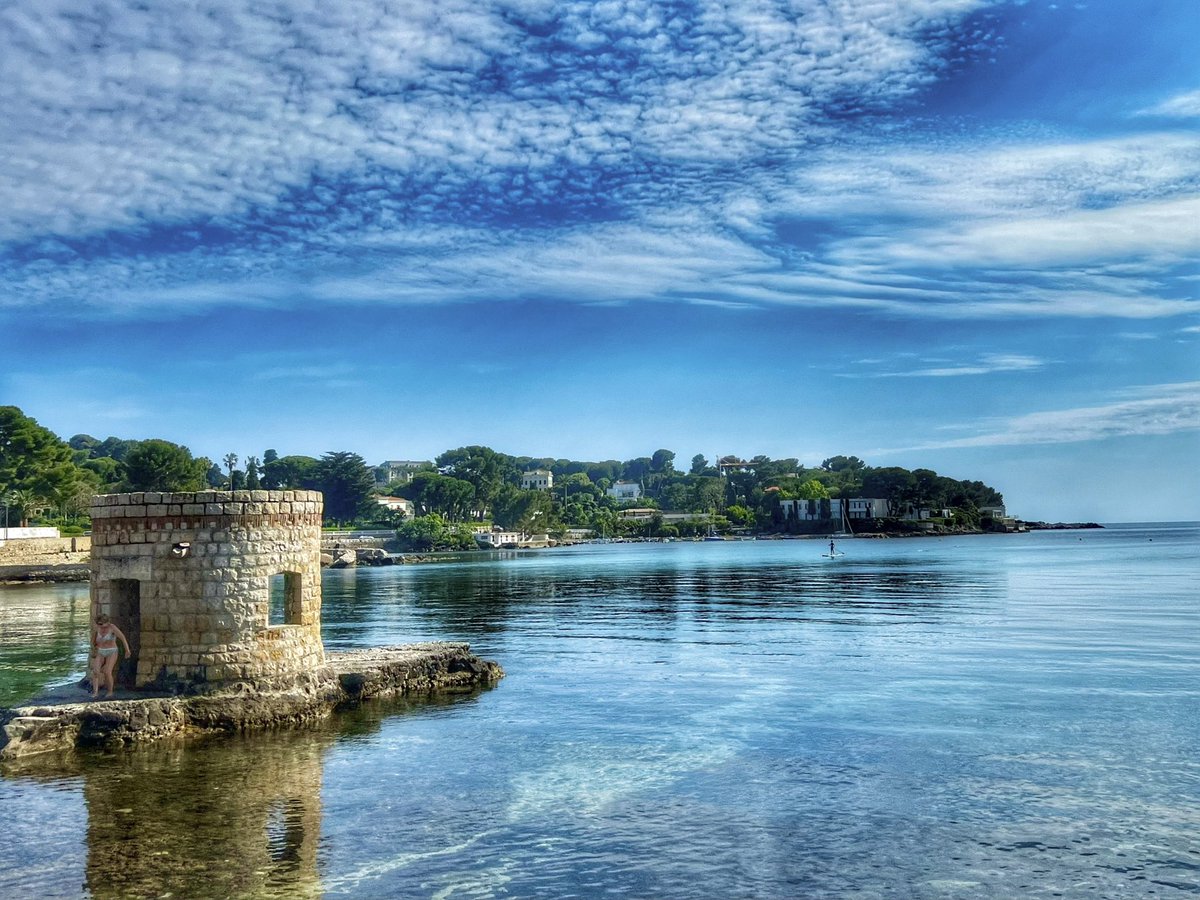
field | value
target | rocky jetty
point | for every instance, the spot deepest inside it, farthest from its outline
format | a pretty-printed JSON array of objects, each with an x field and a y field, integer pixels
[
  {"x": 48, "y": 573},
  {"x": 1060, "y": 526},
  {"x": 67, "y": 719}
]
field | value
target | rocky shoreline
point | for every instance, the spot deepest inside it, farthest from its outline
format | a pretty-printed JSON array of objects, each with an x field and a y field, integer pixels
[{"x": 68, "y": 719}]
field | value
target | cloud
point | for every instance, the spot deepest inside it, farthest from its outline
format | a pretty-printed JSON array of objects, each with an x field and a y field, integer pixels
[
  {"x": 1165, "y": 230},
  {"x": 988, "y": 364},
  {"x": 162, "y": 161},
  {"x": 127, "y": 114},
  {"x": 304, "y": 372},
  {"x": 1150, "y": 410},
  {"x": 1180, "y": 106}
]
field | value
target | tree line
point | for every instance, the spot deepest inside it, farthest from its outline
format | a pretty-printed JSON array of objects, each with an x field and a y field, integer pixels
[
  {"x": 44, "y": 477},
  {"x": 48, "y": 480},
  {"x": 478, "y": 484}
]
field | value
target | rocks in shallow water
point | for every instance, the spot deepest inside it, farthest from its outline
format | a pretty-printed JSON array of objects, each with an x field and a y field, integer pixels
[
  {"x": 347, "y": 678},
  {"x": 373, "y": 556},
  {"x": 343, "y": 559}
]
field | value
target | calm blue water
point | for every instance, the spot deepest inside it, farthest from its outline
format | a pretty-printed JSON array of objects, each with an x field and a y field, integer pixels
[{"x": 993, "y": 716}]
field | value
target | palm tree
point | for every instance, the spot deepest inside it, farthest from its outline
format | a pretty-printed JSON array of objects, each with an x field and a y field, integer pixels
[{"x": 230, "y": 460}]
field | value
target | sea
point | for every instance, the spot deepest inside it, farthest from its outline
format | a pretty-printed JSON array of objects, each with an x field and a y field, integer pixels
[{"x": 991, "y": 716}]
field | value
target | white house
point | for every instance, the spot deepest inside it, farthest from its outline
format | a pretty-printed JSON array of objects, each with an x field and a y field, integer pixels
[
  {"x": 867, "y": 508},
  {"x": 396, "y": 504},
  {"x": 811, "y": 510},
  {"x": 401, "y": 471},
  {"x": 537, "y": 480},
  {"x": 625, "y": 490},
  {"x": 646, "y": 514},
  {"x": 921, "y": 513},
  {"x": 496, "y": 539}
]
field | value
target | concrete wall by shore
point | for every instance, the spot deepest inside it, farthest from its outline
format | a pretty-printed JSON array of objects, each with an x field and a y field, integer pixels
[{"x": 14, "y": 533}]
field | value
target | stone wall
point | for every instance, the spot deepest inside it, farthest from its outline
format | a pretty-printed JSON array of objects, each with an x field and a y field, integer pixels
[
  {"x": 44, "y": 551},
  {"x": 188, "y": 578}
]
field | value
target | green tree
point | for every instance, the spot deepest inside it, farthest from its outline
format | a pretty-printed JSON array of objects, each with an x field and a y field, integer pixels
[
  {"x": 432, "y": 532},
  {"x": 576, "y": 484},
  {"x": 422, "y": 533},
  {"x": 516, "y": 510},
  {"x": 609, "y": 470},
  {"x": 107, "y": 471},
  {"x": 707, "y": 494},
  {"x": 484, "y": 468},
  {"x": 252, "y": 480},
  {"x": 443, "y": 494},
  {"x": 843, "y": 464},
  {"x": 346, "y": 482},
  {"x": 288, "y": 472},
  {"x": 33, "y": 459},
  {"x": 676, "y": 495},
  {"x": 739, "y": 515},
  {"x": 699, "y": 464},
  {"x": 812, "y": 490},
  {"x": 929, "y": 488},
  {"x": 157, "y": 465},
  {"x": 84, "y": 442},
  {"x": 663, "y": 461},
  {"x": 636, "y": 469},
  {"x": 109, "y": 448},
  {"x": 891, "y": 483}
]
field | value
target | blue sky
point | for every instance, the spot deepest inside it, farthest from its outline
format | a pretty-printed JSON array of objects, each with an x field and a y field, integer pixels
[{"x": 947, "y": 233}]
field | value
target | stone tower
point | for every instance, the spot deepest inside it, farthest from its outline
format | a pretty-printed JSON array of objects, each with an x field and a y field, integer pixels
[{"x": 212, "y": 586}]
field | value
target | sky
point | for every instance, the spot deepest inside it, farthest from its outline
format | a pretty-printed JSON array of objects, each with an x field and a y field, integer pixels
[{"x": 954, "y": 234}]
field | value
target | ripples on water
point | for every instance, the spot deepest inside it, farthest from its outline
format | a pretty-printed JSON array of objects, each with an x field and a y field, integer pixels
[{"x": 977, "y": 717}]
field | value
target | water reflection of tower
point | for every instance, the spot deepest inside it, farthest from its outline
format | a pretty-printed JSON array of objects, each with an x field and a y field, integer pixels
[{"x": 219, "y": 819}]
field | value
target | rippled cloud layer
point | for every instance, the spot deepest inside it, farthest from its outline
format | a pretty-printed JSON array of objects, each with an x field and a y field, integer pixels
[{"x": 754, "y": 154}]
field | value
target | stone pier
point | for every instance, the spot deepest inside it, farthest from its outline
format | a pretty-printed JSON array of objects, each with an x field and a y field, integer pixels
[
  {"x": 65, "y": 720},
  {"x": 219, "y": 595}
]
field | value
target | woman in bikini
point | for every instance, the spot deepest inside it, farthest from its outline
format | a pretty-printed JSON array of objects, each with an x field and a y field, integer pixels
[{"x": 104, "y": 663}]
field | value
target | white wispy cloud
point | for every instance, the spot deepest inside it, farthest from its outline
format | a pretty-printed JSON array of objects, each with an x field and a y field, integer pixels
[
  {"x": 1166, "y": 230},
  {"x": 1148, "y": 410},
  {"x": 304, "y": 372},
  {"x": 1185, "y": 105},
  {"x": 987, "y": 364}
]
